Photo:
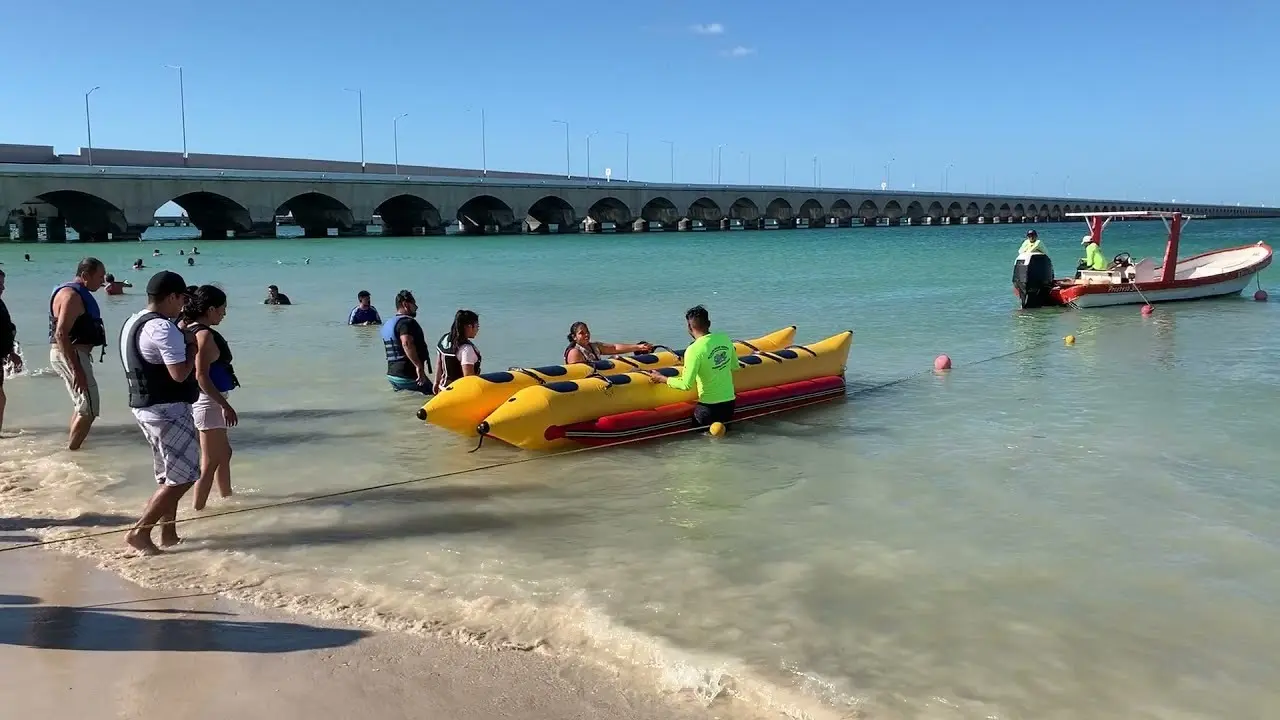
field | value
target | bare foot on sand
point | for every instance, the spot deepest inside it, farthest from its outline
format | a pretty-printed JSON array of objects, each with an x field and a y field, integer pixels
[
  {"x": 169, "y": 540},
  {"x": 142, "y": 543}
]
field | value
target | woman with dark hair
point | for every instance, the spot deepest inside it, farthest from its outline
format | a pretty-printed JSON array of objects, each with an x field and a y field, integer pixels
[
  {"x": 582, "y": 350},
  {"x": 456, "y": 355},
  {"x": 206, "y": 307}
]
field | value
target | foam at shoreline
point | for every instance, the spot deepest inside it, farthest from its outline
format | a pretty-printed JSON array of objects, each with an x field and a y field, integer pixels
[{"x": 46, "y": 487}]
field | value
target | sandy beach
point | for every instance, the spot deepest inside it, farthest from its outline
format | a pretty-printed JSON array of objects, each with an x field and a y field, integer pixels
[{"x": 83, "y": 642}]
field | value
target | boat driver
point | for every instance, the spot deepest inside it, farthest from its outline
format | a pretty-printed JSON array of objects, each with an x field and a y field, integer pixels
[
  {"x": 1093, "y": 259},
  {"x": 1032, "y": 244}
]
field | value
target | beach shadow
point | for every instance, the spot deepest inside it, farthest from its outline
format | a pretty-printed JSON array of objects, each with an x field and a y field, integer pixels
[
  {"x": 303, "y": 414},
  {"x": 18, "y": 600},
  {"x": 390, "y": 528},
  {"x": 87, "y": 520},
  {"x": 117, "y": 436},
  {"x": 57, "y": 627}
]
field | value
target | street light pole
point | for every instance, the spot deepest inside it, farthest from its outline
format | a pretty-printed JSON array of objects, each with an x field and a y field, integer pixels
[
  {"x": 395, "y": 139},
  {"x": 627, "y": 135},
  {"x": 672, "y": 146},
  {"x": 484, "y": 145},
  {"x": 589, "y": 136},
  {"x": 182, "y": 107},
  {"x": 88, "y": 123},
  {"x": 888, "y": 168},
  {"x": 815, "y": 171},
  {"x": 360, "y": 100},
  {"x": 946, "y": 176},
  {"x": 719, "y": 163},
  {"x": 748, "y": 166},
  {"x": 784, "y": 171},
  {"x": 568, "y": 171}
]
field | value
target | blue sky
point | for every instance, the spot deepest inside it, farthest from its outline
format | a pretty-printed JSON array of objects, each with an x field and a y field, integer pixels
[{"x": 1129, "y": 99}]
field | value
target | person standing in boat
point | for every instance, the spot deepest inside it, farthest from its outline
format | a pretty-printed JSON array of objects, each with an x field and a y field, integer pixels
[
  {"x": 456, "y": 354},
  {"x": 709, "y": 364},
  {"x": 1093, "y": 259},
  {"x": 582, "y": 350},
  {"x": 1032, "y": 244}
]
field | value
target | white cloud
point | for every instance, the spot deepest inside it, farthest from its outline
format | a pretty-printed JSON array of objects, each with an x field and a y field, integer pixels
[
  {"x": 739, "y": 51},
  {"x": 708, "y": 29}
]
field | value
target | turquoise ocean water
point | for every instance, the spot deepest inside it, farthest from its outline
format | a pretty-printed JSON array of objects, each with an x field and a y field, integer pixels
[{"x": 1066, "y": 532}]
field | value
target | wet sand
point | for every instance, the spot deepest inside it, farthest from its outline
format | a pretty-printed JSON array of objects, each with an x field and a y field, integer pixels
[{"x": 83, "y": 642}]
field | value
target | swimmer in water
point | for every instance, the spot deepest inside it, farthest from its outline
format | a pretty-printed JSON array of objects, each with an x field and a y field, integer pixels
[
  {"x": 137, "y": 264},
  {"x": 155, "y": 253},
  {"x": 191, "y": 261},
  {"x": 115, "y": 287}
]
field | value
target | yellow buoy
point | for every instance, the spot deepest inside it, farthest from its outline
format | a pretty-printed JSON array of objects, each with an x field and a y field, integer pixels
[
  {"x": 1070, "y": 339},
  {"x": 716, "y": 429}
]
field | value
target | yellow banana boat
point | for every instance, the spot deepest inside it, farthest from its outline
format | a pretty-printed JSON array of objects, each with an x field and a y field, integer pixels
[
  {"x": 469, "y": 400},
  {"x": 533, "y": 417}
]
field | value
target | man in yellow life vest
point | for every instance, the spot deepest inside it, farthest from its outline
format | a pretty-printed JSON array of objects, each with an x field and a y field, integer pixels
[
  {"x": 1032, "y": 244},
  {"x": 1093, "y": 259}
]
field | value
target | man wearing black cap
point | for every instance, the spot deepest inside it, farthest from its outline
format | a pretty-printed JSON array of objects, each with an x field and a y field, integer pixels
[
  {"x": 159, "y": 364},
  {"x": 1032, "y": 244}
]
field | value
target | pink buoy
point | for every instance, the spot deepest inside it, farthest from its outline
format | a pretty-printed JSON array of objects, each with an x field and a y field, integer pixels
[
  {"x": 1147, "y": 310},
  {"x": 942, "y": 362},
  {"x": 1260, "y": 296}
]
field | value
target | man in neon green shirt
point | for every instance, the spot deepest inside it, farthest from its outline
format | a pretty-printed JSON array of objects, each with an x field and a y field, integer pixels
[
  {"x": 709, "y": 364},
  {"x": 1093, "y": 259},
  {"x": 1032, "y": 244}
]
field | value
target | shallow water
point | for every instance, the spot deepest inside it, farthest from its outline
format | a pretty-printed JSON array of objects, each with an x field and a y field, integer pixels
[{"x": 1085, "y": 531}]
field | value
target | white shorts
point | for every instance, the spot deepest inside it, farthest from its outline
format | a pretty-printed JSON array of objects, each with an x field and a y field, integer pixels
[
  {"x": 175, "y": 445},
  {"x": 208, "y": 414},
  {"x": 85, "y": 403}
]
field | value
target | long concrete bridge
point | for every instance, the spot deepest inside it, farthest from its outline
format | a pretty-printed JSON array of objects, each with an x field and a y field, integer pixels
[{"x": 116, "y": 198}]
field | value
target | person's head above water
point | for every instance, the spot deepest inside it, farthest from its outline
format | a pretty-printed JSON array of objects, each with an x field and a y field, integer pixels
[
  {"x": 166, "y": 293},
  {"x": 405, "y": 304},
  {"x": 191, "y": 261},
  {"x": 91, "y": 273},
  {"x": 579, "y": 334},
  {"x": 466, "y": 325},
  {"x": 364, "y": 298},
  {"x": 272, "y": 291},
  {"x": 206, "y": 304},
  {"x": 110, "y": 278},
  {"x": 699, "y": 321}
]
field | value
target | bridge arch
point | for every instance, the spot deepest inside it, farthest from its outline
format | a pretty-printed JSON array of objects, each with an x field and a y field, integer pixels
[
  {"x": 780, "y": 211},
  {"x": 972, "y": 212},
  {"x": 744, "y": 209},
  {"x": 486, "y": 214},
  {"x": 610, "y": 210},
  {"x": 214, "y": 215},
  {"x": 841, "y": 210},
  {"x": 316, "y": 212},
  {"x": 915, "y": 211},
  {"x": 1056, "y": 214},
  {"x": 706, "y": 210},
  {"x": 406, "y": 214},
  {"x": 892, "y": 210},
  {"x": 955, "y": 211},
  {"x": 1005, "y": 212},
  {"x": 989, "y": 211},
  {"x": 813, "y": 211},
  {"x": 935, "y": 212},
  {"x": 1020, "y": 212},
  {"x": 91, "y": 217},
  {"x": 548, "y": 211},
  {"x": 868, "y": 211},
  {"x": 660, "y": 210},
  {"x": 1032, "y": 210}
]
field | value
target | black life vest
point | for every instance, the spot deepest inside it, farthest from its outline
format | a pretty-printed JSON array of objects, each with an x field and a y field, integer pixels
[
  {"x": 87, "y": 329},
  {"x": 150, "y": 383},
  {"x": 220, "y": 370},
  {"x": 452, "y": 369}
]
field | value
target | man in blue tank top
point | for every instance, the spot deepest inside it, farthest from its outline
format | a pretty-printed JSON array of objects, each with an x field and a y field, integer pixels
[{"x": 75, "y": 329}]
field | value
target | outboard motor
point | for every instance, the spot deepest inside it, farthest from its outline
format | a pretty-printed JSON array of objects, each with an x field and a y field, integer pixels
[{"x": 1033, "y": 279}]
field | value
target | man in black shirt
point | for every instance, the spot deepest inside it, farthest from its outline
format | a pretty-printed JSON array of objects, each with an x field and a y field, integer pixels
[
  {"x": 408, "y": 359},
  {"x": 275, "y": 297},
  {"x": 8, "y": 346}
]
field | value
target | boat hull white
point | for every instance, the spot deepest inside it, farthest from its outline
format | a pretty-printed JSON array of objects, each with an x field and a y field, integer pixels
[{"x": 1127, "y": 295}]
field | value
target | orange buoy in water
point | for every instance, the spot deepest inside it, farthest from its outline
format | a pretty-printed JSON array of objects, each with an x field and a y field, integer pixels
[
  {"x": 1147, "y": 310},
  {"x": 942, "y": 362},
  {"x": 1069, "y": 340},
  {"x": 1260, "y": 296}
]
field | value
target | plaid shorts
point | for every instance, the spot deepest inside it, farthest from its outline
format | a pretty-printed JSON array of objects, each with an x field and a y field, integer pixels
[{"x": 175, "y": 445}]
